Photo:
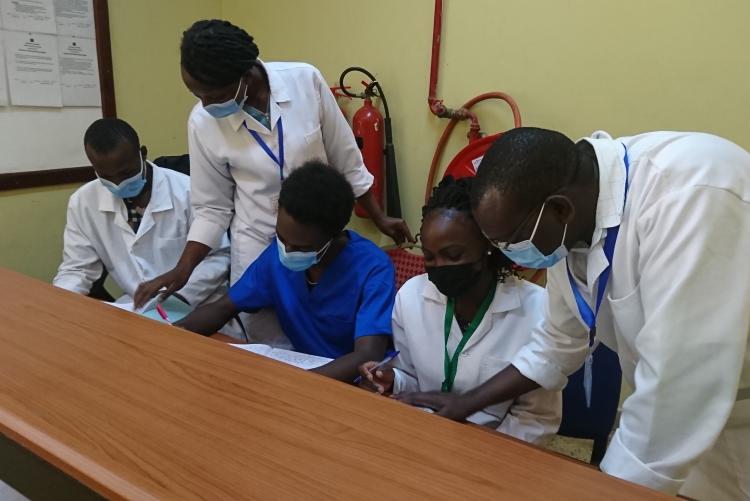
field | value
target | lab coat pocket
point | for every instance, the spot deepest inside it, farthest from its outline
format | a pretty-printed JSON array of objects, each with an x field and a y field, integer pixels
[
  {"x": 315, "y": 149},
  {"x": 628, "y": 319},
  {"x": 489, "y": 367}
]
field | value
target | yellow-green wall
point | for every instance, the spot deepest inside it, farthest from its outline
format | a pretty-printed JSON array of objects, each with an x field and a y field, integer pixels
[{"x": 573, "y": 65}]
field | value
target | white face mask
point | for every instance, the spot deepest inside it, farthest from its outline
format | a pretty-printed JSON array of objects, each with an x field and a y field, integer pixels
[{"x": 221, "y": 110}]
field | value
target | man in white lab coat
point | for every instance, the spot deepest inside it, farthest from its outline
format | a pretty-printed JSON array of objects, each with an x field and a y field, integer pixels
[
  {"x": 133, "y": 221},
  {"x": 671, "y": 212}
]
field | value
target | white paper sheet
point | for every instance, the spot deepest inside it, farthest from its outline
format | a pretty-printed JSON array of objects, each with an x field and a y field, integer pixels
[
  {"x": 37, "y": 16},
  {"x": 33, "y": 69},
  {"x": 301, "y": 360},
  {"x": 75, "y": 18},
  {"x": 3, "y": 74},
  {"x": 79, "y": 72}
]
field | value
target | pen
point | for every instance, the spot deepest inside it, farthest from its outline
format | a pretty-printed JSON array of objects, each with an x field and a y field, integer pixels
[
  {"x": 162, "y": 313},
  {"x": 388, "y": 357}
]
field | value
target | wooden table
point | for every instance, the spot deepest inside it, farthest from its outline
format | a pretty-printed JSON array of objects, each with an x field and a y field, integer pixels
[{"x": 136, "y": 409}]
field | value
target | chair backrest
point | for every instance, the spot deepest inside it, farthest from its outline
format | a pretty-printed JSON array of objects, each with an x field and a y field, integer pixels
[
  {"x": 597, "y": 421},
  {"x": 179, "y": 163},
  {"x": 407, "y": 265}
]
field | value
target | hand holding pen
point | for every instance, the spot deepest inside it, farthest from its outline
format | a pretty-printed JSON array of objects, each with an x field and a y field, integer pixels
[{"x": 377, "y": 376}]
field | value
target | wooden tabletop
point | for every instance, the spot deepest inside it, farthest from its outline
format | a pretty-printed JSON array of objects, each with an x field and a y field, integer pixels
[{"x": 136, "y": 409}]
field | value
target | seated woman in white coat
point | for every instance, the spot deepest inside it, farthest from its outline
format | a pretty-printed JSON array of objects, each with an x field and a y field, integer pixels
[
  {"x": 461, "y": 322},
  {"x": 133, "y": 221}
]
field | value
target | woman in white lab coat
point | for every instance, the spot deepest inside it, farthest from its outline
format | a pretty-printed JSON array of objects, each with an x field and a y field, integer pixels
[
  {"x": 488, "y": 312},
  {"x": 253, "y": 123}
]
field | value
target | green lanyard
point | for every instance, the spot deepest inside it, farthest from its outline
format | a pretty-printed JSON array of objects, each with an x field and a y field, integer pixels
[{"x": 451, "y": 363}]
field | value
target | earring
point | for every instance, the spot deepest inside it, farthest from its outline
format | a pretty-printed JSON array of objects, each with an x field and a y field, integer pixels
[{"x": 489, "y": 252}]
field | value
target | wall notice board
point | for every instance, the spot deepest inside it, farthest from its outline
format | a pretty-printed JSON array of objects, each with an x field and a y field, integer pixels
[{"x": 55, "y": 79}]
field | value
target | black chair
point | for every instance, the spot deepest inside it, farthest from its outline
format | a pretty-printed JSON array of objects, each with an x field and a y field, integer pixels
[{"x": 596, "y": 422}]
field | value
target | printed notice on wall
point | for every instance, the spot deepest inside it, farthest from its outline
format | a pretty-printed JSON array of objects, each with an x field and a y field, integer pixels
[
  {"x": 3, "y": 75},
  {"x": 36, "y": 16},
  {"x": 33, "y": 70},
  {"x": 75, "y": 18},
  {"x": 79, "y": 72}
]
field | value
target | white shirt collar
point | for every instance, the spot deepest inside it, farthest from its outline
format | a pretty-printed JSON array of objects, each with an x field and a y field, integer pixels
[{"x": 610, "y": 204}]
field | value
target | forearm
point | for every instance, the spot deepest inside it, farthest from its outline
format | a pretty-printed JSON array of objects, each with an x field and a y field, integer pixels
[
  {"x": 370, "y": 205},
  {"x": 507, "y": 384},
  {"x": 345, "y": 368},
  {"x": 192, "y": 255},
  {"x": 209, "y": 318}
]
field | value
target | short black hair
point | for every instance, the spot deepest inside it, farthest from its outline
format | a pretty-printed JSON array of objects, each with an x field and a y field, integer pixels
[
  {"x": 455, "y": 194},
  {"x": 216, "y": 52},
  {"x": 318, "y": 195},
  {"x": 528, "y": 162},
  {"x": 105, "y": 134}
]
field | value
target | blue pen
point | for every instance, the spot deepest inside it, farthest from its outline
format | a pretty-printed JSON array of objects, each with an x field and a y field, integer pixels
[{"x": 388, "y": 357}]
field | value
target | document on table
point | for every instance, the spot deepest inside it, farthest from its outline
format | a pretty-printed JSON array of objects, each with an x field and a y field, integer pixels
[
  {"x": 301, "y": 360},
  {"x": 33, "y": 69}
]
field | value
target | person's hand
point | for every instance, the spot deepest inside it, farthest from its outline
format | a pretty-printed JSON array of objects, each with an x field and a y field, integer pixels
[
  {"x": 169, "y": 282},
  {"x": 380, "y": 381},
  {"x": 450, "y": 405},
  {"x": 395, "y": 228}
]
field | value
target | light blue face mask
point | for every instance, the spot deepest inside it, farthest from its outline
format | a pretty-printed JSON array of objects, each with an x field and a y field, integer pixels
[
  {"x": 300, "y": 261},
  {"x": 129, "y": 188},
  {"x": 221, "y": 110},
  {"x": 526, "y": 253}
]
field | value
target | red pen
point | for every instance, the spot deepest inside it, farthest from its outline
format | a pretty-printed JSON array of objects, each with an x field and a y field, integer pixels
[{"x": 162, "y": 313}]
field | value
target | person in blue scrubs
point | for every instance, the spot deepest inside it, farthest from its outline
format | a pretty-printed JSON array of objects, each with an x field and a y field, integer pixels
[{"x": 332, "y": 289}]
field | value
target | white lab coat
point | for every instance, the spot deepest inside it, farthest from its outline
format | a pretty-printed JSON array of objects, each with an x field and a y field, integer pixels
[
  {"x": 418, "y": 320},
  {"x": 235, "y": 181},
  {"x": 98, "y": 236},
  {"x": 676, "y": 311}
]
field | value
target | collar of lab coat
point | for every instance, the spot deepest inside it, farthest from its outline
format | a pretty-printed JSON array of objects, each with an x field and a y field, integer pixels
[
  {"x": 506, "y": 298},
  {"x": 279, "y": 94},
  {"x": 160, "y": 199},
  {"x": 609, "y": 205}
]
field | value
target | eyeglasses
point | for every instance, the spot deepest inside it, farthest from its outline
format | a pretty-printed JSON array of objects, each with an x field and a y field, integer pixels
[{"x": 514, "y": 236}]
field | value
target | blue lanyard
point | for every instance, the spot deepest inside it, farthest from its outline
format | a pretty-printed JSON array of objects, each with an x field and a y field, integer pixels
[
  {"x": 587, "y": 314},
  {"x": 280, "y": 159}
]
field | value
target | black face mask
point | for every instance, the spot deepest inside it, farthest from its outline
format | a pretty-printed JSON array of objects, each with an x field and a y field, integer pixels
[{"x": 454, "y": 280}]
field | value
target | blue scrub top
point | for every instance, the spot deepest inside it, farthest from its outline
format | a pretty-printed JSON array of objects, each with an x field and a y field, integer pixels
[{"x": 353, "y": 298}]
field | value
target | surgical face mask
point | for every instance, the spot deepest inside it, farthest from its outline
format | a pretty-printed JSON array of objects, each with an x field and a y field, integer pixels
[
  {"x": 454, "y": 280},
  {"x": 526, "y": 253},
  {"x": 300, "y": 261},
  {"x": 129, "y": 188},
  {"x": 221, "y": 110}
]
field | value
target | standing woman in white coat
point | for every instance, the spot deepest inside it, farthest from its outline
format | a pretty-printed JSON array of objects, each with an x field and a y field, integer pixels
[
  {"x": 254, "y": 121},
  {"x": 653, "y": 231},
  {"x": 463, "y": 321}
]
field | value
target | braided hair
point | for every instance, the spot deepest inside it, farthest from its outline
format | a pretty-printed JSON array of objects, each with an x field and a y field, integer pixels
[
  {"x": 216, "y": 52},
  {"x": 455, "y": 194}
]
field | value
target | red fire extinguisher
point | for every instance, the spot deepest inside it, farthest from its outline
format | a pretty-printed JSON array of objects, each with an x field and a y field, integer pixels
[
  {"x": 374, "y": 135},
  {"x": 367, "y": 125}
]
